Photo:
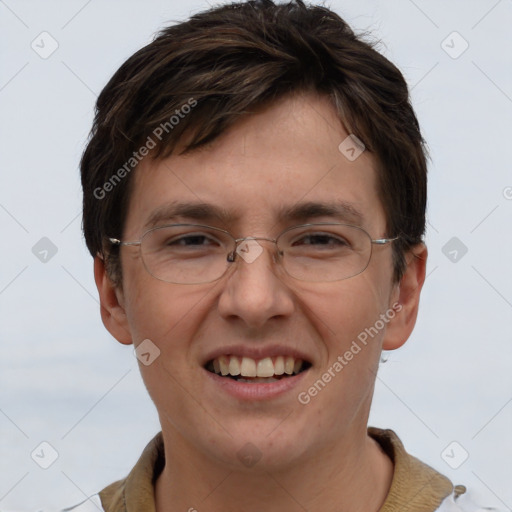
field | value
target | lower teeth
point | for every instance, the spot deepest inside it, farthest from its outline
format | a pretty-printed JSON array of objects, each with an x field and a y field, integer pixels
[{"x": 257, "y": 379}]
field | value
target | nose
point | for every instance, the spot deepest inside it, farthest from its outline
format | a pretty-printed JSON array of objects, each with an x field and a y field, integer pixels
[{"x": 255, "y": 290}]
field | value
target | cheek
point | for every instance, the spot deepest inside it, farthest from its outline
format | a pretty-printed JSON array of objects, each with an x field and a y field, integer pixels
[
  {"x": 164, "y": 313},
  {"x": 342, "y": 311},
  {"x": 171, "y": 316},
  {"x": 167, "y": 316},
  {"x": 347, "y": 318}
]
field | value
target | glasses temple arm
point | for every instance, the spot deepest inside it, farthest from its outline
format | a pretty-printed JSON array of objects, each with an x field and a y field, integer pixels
[
  {"x": 116, "y": 241},
  {"x": 382, "y": 241}
]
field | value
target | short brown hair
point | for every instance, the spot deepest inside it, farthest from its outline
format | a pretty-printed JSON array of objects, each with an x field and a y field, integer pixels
[{"x": 228, "y": 62}]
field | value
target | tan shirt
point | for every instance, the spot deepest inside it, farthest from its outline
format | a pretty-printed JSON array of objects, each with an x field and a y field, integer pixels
[{"x": 415, "y": 487}]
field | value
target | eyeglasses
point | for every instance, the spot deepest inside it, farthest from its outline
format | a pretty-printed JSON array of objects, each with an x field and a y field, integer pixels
[{"x": 198, "y": 254}]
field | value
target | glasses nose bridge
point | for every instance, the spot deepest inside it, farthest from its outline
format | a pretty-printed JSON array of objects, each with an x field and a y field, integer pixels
[{"x": 239, "y": 241}]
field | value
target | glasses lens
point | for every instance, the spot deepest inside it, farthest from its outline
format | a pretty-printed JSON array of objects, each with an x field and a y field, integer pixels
[
  {"x": 325, "y": 252},
  {"x": 186, "y": 253},
  {"x": 195, "y": 254}
]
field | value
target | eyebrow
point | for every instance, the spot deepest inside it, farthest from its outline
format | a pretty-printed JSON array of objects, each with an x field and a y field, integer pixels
[{"x": 300, "y": 212}]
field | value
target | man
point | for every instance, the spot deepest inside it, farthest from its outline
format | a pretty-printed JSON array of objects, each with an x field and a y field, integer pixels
[{"x": 254, "y": 199}]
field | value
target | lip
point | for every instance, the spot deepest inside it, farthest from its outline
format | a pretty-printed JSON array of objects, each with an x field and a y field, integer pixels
[
  {"x": 256, "y": 392},
  {"x": 256, "y": 353}
]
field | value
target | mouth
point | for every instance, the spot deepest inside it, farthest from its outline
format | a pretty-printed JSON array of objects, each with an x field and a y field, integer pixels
[{"x": 257, "y": 371}]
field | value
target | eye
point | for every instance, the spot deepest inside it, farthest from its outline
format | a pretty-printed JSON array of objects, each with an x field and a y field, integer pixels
[
  {"x": 321, "y": 239},
  {"x": 191, "y": 240}
]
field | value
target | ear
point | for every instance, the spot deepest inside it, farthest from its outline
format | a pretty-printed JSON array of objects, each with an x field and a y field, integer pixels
[
  {"x": 406, "y": 298},
  {"x": 112, "y": 304}
]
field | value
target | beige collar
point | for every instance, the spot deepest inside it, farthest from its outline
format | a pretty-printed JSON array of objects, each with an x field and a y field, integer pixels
[{"x": 415, "y": 487}]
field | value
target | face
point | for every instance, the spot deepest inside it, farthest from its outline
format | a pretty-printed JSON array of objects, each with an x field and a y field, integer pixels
[{"x": 284, "y": 156}]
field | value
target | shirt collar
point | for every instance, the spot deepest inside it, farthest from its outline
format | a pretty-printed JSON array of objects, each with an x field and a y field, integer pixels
[{"x": 415, "y": 486}]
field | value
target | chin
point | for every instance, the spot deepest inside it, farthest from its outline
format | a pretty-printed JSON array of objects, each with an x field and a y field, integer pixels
[{"x": 260, "y": 447}]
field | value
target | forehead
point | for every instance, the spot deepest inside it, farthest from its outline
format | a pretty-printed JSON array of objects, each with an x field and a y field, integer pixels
[{"x": 279, "y": 166}]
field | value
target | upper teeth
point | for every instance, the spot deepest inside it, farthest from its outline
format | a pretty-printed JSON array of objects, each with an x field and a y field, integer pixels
[{"x": 248, "y": 367}]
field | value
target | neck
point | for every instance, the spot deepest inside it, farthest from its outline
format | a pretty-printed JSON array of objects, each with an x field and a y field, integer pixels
[{"x": 354, "y": 476}]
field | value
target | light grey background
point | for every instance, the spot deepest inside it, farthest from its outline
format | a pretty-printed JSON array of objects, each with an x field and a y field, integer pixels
[{"x": 64, "y": 380}]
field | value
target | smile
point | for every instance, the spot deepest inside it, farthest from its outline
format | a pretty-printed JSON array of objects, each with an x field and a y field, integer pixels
[{"x": 249, "y": 370}]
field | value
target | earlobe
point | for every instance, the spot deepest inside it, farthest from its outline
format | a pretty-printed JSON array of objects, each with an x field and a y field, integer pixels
[
  {"x": 113, "y": 313},
  {"x": 407, "y": 295}
]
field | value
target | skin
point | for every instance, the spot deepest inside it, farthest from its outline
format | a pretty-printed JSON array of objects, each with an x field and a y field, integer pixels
[{"x": 316, "y": 456}]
